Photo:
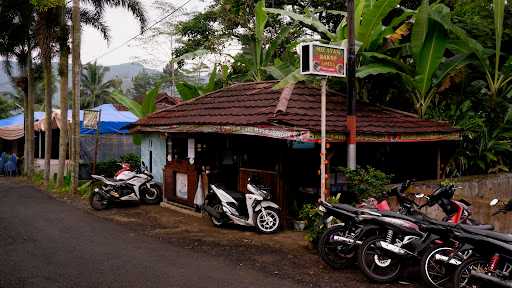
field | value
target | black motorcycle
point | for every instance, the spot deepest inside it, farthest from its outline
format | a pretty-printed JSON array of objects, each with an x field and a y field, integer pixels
[
  {"x": 339, "y": 243},
  {"x": 406, "y": 239},
  {"x": 491, "y": 262}
]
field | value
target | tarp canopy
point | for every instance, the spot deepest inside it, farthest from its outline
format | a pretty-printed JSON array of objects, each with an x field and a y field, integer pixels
[
  {"x": 112, "y": 121},
  {"x": 18, "y": 120},
  {"x": 12, "y": 128}
]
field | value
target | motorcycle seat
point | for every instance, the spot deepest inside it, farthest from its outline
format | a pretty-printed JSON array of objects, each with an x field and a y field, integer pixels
[
  {"x": 487, "y": 233},
  {"x": 398, "y": 215},
  {"x": 347, "y": 208},
  {"x": 109, "y": 181},
  {"x": 238, "y": 196}
]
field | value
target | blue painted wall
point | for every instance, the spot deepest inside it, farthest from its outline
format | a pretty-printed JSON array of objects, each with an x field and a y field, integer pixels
[{"x": 154, "y": 147}]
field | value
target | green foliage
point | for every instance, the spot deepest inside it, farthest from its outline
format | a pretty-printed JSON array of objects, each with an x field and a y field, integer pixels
[
  {"x": 44, "y": 5},
  {"x": 189, "y": 90},
  {"x": 6, "y": 107},
  {"x": 366, "y": 182},
  {"x": 142, "y": 83},
  {"x": 94, "y": 89},
  {"x": 486, "y": 145},
  {"x": 147, "y": 107},
  {"x": 110, "y": 167},
  {"x": 313, "y": 218}
]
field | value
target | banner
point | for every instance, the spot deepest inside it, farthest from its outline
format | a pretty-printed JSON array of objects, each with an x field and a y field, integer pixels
[{"x": 91, "y": 119}]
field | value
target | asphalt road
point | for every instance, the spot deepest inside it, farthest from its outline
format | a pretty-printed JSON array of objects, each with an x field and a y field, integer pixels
[{"x": 48, "y": 243}]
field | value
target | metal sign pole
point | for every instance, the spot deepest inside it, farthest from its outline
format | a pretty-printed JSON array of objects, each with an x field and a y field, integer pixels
[
  {"x": 323, "y": 136},
  {"x": 351, "y": 99},
  {"x": 97, "y": 143}
]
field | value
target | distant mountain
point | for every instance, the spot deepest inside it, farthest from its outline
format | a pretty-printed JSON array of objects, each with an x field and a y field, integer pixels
[{"x": 124, "y": 72}]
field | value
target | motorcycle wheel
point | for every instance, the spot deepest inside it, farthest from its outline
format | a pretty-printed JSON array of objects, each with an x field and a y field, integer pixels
[
  {"x": 151, "y": 195},
  {"x": 217, "y": 222},
  {"x": 336, "y": 254},
  {"x": 463, "y": 277},
  {"x": 97, "y": 201},
  {"x": 436, "y": 273},
  {"x": 267, "y": 220},
  {"x": 374, "y": 265}
]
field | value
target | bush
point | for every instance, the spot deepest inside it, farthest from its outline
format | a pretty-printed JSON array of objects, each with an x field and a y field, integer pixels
[
  {"x": 110, "y": 167},
  {"x": 365, "y": 183},
  {"x": 314, "y": 224}
]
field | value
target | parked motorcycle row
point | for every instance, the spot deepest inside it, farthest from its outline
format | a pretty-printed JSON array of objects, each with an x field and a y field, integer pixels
[{"x": 455, "y": 252}]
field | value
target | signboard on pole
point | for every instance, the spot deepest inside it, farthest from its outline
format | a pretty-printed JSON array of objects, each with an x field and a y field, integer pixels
[
  {"x": 322, "y": 59},
  {"x": 91, "y": 119}
]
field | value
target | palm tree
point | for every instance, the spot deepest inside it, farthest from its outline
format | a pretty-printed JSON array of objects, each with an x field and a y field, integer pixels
[
  {"x": 94, "y": 89},
  {"x": 92, "y": 18},
  {"x": 16, "y": 42},
  {"x": 75, "y": 150},
  {"x": 46, "y": 23},
  {"x": 63, "y": 75}
]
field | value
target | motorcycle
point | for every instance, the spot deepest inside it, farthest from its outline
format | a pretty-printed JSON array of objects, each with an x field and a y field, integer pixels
[
  {"x": 491, "y": 265},
  {"x": 441, "y": 260},
  {"x": 407, "y": 238},
  {"x": 129, "y": 186},
  {"x": 338, "y": 244},
  {"x": 248, "y": 209}
]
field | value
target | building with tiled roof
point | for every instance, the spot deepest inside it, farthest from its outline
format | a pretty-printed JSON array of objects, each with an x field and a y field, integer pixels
[{"x": 251, "y": 129}]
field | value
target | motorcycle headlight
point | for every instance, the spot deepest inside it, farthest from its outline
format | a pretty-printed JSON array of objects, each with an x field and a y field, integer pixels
[{"x": 96, "y": 189}]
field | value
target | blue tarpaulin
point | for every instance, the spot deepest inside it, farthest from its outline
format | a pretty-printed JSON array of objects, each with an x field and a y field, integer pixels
[
  {"x": 18, "y": 120},
  {"x": 112, "y": 120}
]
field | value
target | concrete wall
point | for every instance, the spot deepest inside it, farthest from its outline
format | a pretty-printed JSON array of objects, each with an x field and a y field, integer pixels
[
  {"x": 479, "y": 191},
  {"x": 154, "y": 145}
]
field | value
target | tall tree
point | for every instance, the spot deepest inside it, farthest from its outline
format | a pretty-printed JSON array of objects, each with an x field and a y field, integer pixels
[
  {"x": 16, "y": 41},
  {"x": 45, "y": 30},
  {"x": 75, "y": 138},
  {"x": 63, "y": 75},
  {"x": 95, "y": 89}
]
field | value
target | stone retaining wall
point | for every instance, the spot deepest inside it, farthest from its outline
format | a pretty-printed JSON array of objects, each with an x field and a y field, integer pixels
[{"x": 479, "y": 191}]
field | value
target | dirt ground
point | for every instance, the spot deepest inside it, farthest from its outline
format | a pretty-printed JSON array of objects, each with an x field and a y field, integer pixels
[{"x": 286, "y": 254}]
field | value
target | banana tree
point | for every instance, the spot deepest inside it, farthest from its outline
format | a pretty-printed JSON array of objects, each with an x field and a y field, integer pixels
[
  {"x": 429, "y": 42},
  {"x": 259, "y": 55},
  {"x": 147, "y": 107},
  {"x": 498, "y": 77},
  {"x": 369, "y": 30},
  {"x": 189, "y": 90}
]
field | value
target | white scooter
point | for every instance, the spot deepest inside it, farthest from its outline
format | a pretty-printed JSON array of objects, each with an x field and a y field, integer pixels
[
  {"x": 248, "y": 209},
  {"x": 127, "y": 186}
]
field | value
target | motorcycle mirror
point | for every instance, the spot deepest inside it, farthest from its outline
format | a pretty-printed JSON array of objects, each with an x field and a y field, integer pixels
[
  {"x": 494, "y": 202},
  {"x": 420, "y": 195}
]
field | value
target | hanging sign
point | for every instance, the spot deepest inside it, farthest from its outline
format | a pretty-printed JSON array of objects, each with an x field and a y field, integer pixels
[
  {"x": 91, "y": 119},
  {"x": 322, "y": 59}
]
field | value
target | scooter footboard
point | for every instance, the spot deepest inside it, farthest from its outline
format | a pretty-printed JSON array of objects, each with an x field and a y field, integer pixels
[{"x": 267, "y": 204}]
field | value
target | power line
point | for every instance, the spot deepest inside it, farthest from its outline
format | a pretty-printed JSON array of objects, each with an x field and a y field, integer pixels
[{"x": 142, "y": 32}]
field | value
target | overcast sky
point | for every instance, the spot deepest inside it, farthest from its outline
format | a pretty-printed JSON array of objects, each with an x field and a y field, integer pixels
[{"x": 123, "y": 26}]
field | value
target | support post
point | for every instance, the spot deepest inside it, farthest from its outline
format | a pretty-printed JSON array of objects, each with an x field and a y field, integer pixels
[
  {"x": 351, "y": 99},
  {"x": 96, "y": 144},
  {"x": 323, "y": 136}
]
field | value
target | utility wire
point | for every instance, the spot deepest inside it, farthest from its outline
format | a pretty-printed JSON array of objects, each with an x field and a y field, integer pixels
[{"x": 142, "y": 32}]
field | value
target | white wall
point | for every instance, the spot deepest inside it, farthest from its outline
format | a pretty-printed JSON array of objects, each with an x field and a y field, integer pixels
[{"x": 155, "y": 143}]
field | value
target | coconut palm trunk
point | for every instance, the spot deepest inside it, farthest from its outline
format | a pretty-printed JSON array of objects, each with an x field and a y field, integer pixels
[
  {"x": 47, "y": 68},
  {"x": 76, "y": 93},
  {"x": 63, "y": 74},
  {"x": 29, "y": 133}
]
